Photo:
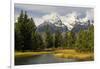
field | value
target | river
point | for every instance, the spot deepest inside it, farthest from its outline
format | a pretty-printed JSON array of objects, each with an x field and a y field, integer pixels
[{"x": 41, "y": 59}]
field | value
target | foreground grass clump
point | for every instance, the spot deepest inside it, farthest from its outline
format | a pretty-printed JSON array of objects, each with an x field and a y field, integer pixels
[
  {"x": 27, "y": 54},
  {"x": 73, "y": 54}
]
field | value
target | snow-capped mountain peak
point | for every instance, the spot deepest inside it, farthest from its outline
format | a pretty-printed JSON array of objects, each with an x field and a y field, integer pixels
[
  {"x": 54, "y": 18},
  {"x": 70, "y": 20}
]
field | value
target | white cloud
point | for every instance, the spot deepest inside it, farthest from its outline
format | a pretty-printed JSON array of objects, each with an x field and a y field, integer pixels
[
  {"x": 89, "y": 16},
  {"x": 70, "y": 19},
  {"x": 38, "y": 21},
  {"x": 52, "y": 17},
  {"x": 68, "y": 15},
  {"x": 83, "y": 20}
]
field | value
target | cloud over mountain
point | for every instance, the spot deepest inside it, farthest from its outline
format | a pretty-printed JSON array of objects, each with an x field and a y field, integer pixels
[
  {"x": 69, "y": 16},
  {"x": 69, "y": 20}
]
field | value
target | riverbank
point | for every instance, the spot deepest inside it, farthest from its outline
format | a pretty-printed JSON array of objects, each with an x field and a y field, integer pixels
[
  {"x": 64, "y": 53},
  {"x": 73, "y": 54},
  {"x": 27, "y": 54}
]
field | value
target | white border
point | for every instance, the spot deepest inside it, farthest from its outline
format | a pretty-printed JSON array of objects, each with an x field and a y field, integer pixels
[
  {"x": 12, "y": 34},
  {"x": 39, "y": 66}
]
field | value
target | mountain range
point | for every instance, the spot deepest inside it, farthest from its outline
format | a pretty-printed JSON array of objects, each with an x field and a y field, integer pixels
[{"x": 55, "y": 23}]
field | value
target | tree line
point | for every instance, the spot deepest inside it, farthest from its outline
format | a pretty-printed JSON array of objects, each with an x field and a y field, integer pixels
[{"x": 27, "y": 39}]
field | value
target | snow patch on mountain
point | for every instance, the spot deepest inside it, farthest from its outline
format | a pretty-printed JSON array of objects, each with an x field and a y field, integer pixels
[
  {"x": 54, "y": 18},
  {"x": 69, "y": 20}
]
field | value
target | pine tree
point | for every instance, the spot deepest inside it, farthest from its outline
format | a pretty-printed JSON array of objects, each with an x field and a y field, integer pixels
[
  {"x": 58, "y": 38},
  {"x": 49, "y": 38},
  {"x": 70, "y": 38},
  {"x": 27, "y": 28},
  {"x": 78, "y": 43},
  {"x": 91, "y": 38},
  {"x": 82, "y": 42},
  {"x": 37, "y": 42},
  {"x": 26, "y": 35},
  {"x": 18, "y": 37}
]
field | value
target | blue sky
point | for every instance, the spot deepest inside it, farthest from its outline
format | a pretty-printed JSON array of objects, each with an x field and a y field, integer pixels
[{"x": 38, "y": 11}]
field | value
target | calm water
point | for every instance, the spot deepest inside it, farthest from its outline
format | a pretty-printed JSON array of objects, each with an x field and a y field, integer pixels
[{"x": 41, "y": 59}]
